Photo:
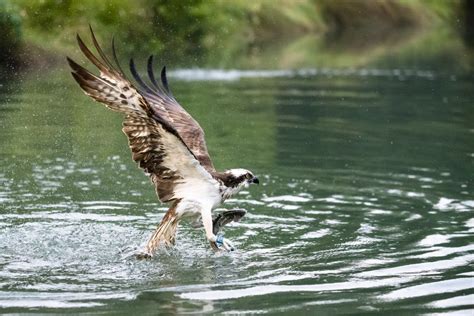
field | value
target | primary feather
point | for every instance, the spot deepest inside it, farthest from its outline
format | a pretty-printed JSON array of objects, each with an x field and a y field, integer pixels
[
  {"x": 156, "y": 144},
  {"x": 166, "y": 142}
]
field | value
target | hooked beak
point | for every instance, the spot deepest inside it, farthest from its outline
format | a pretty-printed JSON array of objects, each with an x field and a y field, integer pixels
[{"x": 254, "y": 180}]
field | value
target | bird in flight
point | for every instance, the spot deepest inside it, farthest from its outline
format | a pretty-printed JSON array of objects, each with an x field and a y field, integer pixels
[{"x": 168, "y": 144}]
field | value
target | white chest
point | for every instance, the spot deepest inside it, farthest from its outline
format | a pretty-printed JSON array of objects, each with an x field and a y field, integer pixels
[{"x": 227, "y": 192}]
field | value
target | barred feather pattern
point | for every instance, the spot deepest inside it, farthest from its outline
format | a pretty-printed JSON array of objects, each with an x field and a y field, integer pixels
[
  {"x": 153, "y": 152},
  {"x": 156, "y": 145},
  {"x": 119, "y": 96},
  {"x": 163, "y": 103}
]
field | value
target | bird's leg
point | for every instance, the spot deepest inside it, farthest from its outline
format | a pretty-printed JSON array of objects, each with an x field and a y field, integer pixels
[
  {"x": 164, "y": 234},
  {"x": 216, "y": 241},
  {"x": 154, "y": 241}
]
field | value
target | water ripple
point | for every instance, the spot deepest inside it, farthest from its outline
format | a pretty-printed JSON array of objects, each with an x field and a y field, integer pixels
[{"x": 271, "y": 289}]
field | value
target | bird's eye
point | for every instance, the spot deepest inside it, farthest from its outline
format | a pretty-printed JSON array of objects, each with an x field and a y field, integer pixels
[{"x": 248, "y": 176}]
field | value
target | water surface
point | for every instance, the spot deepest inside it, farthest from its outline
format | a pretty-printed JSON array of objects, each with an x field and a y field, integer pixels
[{"x": 365, "y": 203}]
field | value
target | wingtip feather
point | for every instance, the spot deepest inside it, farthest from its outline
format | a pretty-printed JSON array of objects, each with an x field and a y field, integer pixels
[
  {"x": 151, "y": 75},
  {"x": 78, "y": 78},
  {"x": 99, "y": 49},
  {"x": 74, "y": 66},
  {"x": 164, "y": 81},
  {"x": 137, "y": 77}
]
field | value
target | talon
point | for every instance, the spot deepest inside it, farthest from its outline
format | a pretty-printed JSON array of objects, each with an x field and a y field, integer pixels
[
  {"x": 220, "y": 243},
  {"x": 228, "y": 245},
  {"x": 143, "y": 255}
]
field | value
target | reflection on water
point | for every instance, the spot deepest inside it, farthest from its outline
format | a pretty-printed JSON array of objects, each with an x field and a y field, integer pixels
[
  {"x": 365, "y": 204},
  {"x": 235, "y": 74}
]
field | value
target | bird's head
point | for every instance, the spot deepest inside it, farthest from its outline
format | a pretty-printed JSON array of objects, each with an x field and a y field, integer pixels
[{"x": 239, "y": 178}]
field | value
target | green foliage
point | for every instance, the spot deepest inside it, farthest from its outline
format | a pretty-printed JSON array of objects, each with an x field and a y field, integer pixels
[
  {"x": 54, "y": 22},
  {"x": 10, "y": 34},
  {"x": 219, "y": 29},
  {"x": 447, "y": 11},
  {"x": 176, "y": 22}
]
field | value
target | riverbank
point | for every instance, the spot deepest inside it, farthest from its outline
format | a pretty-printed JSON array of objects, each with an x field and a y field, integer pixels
[{"x": 221, "y": 30}]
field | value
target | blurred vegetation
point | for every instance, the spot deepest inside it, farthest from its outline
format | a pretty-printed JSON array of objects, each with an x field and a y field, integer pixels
[
  {"x": 220, "y": 29},
  {"x": 10, "y": 34}
]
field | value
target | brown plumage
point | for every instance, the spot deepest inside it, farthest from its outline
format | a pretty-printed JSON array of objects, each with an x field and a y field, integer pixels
[
  {"x": 166, "y": 142},
  {"x": 146, "y": 118},
  {"x": 165, "y": 105}
]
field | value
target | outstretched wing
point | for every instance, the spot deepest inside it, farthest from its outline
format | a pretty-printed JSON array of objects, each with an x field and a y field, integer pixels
[
  {"x": 156, "y": 146},
  {"x": 162, "y": 102}
]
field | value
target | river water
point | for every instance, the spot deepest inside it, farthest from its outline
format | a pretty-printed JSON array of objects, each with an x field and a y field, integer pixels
[{"x": 365, "y": 203}]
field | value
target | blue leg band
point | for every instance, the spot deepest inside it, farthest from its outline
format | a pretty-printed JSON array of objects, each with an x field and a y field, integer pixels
[{"x": 219, "y": 240}]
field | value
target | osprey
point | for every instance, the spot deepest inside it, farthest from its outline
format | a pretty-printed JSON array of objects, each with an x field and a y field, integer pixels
[{"x": 168, "y": 144}]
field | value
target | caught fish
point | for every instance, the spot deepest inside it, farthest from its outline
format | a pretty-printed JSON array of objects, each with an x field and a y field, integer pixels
[{"x": 224, "y": 218}]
